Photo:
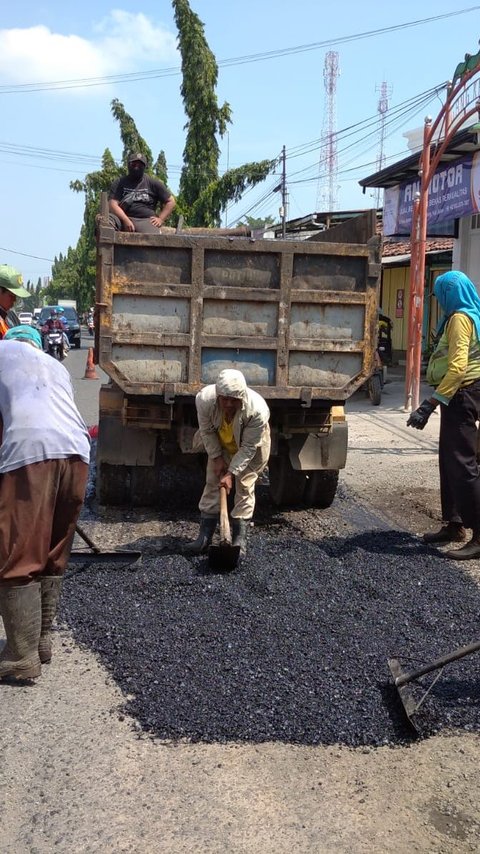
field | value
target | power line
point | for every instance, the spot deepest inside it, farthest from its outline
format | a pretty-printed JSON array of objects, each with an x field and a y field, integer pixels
[
  {"x": 137, "y": 76},
  {"x": 26, "y": 254},
  {"x": 402, "y": 108},
  {"x": 394, "y": 124},
  {"x": 21, "y": 150}
]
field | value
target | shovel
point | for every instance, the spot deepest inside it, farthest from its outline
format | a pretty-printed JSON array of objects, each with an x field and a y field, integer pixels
[
  {"x": 402, "y": 678},
  {"x": 224, "y": 557},
  {"x": 97, "y": 555}
]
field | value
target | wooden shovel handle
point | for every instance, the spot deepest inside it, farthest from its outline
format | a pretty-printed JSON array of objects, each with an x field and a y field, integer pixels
[
  {"x": 86, "y": 539},
  {"x": 225, "y": 536}
]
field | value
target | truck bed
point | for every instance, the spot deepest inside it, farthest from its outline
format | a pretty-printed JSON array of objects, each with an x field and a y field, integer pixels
[{"x": 297, "y": 318}]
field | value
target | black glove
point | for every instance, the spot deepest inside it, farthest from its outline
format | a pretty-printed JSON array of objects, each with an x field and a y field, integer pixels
[{"x": 420, "y": 416}]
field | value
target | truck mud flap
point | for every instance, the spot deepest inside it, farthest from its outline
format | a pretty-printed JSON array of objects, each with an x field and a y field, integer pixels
[{"x": 312, "y": 451}]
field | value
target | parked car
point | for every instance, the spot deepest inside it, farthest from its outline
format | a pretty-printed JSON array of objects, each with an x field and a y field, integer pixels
[
  {"x": 71, "y": 318},
  {"x": 25, "y": 317}
]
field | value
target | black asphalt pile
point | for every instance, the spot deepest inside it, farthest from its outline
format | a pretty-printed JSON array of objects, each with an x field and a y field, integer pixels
[{"x": 291, "y": 647}]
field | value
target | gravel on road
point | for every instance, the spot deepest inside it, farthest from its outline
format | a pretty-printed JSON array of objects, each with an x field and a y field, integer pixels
[{"x": 290, "y": 647}]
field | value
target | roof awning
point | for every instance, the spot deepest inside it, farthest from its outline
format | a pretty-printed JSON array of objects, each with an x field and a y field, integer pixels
[
  {"x": 464, "y": 142},
  {"x": 388, "y": 260}
]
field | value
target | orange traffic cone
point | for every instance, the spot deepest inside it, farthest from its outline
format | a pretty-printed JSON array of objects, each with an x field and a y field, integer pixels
[{"x": 90, "y": 372}]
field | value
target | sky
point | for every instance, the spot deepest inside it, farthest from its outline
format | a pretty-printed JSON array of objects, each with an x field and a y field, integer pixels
[{"x": 271, "y": 58}]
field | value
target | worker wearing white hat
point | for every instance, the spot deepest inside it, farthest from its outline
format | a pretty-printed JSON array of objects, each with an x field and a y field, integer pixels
[{"x": 234, "y": 430}]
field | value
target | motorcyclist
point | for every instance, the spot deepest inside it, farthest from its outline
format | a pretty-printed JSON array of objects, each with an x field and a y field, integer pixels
[{"x": 56, "y": 321}]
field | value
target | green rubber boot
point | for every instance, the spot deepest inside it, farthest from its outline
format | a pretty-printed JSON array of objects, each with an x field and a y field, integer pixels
[
  {"x": 21, "y": 610},
  {"x": 51, "y": 586},
  {"x": 239, "y": 534},
  {"x": 199, "y": 546}
]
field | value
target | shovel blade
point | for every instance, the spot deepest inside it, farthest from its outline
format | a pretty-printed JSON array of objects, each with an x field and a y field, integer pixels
[
  {"x": 407, "y": 699},
  {"x": 79, "y": 557},
  {"x": 224, "y": 557}
]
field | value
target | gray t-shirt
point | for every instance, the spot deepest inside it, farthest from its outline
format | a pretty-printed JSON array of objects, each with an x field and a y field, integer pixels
[{"x": 40, "y": 418}]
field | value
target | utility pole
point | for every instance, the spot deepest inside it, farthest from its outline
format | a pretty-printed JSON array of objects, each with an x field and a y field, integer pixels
[
  {"x": 228, "y": 167},
  {"x": 283, "y": 209},
  {"x": 282, "y": 188}
]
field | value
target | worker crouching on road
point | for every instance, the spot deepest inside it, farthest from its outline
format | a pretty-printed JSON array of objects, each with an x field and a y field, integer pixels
[
  {"x": 44, "y": 456},
  {"x": 454, "y": 371},
  {"x": 234, "y": 429}
]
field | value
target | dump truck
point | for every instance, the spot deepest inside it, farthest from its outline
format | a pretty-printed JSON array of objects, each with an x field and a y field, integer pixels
[{"x": 297, "y": 317}]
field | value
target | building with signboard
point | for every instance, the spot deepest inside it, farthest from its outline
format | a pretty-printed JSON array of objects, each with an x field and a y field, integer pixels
[
  {"x": 446, "y": 185},
  {"x": 453, "y": 227}
]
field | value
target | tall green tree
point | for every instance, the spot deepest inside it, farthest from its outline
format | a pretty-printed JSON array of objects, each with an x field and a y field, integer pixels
[
  {"x": 256, "y": 221},
  {"x": 203, "y": 194}
]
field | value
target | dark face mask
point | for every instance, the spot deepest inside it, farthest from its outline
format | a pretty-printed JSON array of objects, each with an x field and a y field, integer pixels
[{"x": 136, "y": 170}]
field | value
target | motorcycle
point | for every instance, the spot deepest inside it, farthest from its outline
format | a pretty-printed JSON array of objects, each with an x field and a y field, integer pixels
[
  {"x": 374, "y": 385},
  {"x": 55, "y": 344}
]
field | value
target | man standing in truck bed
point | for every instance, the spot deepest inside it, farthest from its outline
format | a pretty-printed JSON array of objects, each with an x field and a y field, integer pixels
[{"x": 134, "y": 198}]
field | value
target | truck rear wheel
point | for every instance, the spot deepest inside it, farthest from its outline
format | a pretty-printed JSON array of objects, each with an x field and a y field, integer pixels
[
  {"x": 375, "y": 389},
  {"x": 320, "y": 488},
  {"x": 286, "y": 484},
  {"x": 135, "y": 486},
  {"x": 113, "y": 484}
]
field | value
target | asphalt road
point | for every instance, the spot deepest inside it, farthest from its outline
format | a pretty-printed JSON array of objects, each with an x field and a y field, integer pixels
[
  {"x": 185, "y": 712},
  {"x": 86, "y": 391}
]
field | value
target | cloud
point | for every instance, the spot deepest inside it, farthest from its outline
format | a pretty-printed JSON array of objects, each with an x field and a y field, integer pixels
[{"x": 122, "y": 42}]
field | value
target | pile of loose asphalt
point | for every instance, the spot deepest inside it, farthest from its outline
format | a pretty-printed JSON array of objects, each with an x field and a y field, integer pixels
[{"x": 292, "y": 646}]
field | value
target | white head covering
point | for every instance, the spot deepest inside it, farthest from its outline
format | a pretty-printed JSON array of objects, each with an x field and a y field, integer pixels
[{"x": 231, "y": 383}]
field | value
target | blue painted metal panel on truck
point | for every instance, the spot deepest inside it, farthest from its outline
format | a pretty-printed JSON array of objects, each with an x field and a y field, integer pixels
[
  {"x": 137, "y": 314},
  {"x": 143, "y": 364},
  {"x": 331, "y": 322},
  {"x": 229, "y": 317},
  {"x": 258, "y": 366},
  {"x": 323, "y": 370}
]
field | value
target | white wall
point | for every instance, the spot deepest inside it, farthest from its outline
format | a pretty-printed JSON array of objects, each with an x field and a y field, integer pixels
[{"x": 466, "y": 250}]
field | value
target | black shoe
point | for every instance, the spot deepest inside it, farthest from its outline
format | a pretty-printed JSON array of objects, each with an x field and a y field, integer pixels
[
  {"x": 454, "y": 532},
  {"x": 199, "y": 546},
  {"x": 470, "y": 551}
]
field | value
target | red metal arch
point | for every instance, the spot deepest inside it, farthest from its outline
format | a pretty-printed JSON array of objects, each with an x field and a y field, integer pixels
[{"x": 447, "y": 128}]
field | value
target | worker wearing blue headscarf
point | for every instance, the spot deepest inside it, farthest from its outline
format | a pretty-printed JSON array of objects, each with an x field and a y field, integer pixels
[
  {"x": 454, "y": 372},
  {"x": 456, "y": 293}
]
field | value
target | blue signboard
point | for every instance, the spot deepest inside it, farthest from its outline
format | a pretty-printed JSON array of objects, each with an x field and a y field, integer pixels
[{"x": 454, "y": 192}]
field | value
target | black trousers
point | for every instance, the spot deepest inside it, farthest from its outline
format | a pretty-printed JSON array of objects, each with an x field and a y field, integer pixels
[
  {"x": 141, "y": 225},
  {"x": 459, "y": 471}
]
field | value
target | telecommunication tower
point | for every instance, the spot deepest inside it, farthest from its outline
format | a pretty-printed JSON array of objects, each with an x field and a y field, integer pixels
[
  {"x": 382, "y": 109},
  {"x": 328, "y": 166}
]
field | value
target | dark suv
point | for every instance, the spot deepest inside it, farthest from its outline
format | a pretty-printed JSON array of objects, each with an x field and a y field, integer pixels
[{"x": 71, "y": 318}]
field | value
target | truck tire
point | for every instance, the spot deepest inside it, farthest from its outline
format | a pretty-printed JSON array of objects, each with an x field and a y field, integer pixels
[
  {"x": 133, "y": 486},
  {"x": 375, "y": 389},
  {"x": 113, "y": 484},
  {"x": 286, "y": 484},
  {"x": 320, "y": 488}
]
